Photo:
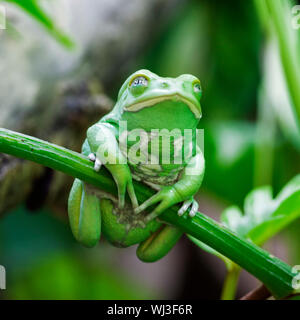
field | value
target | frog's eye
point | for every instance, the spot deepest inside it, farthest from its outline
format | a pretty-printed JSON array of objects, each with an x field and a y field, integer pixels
[
  {"x": 138, "y": 85},
  {"x": 197, "y": 89},
  {"x": 139, "y": 81}
]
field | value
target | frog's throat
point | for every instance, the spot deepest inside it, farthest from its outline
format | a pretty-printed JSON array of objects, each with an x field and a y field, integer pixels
[{"x": 177, "y": 97}]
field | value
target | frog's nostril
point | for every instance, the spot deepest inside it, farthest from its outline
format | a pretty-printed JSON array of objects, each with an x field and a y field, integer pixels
[{"x": 165, "y": 85}]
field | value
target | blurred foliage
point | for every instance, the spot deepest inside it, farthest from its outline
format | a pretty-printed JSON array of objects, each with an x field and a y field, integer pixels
[
  {"x": 44, "y": 262},
  {"x": 207, "y": 39},
  {"x": 229, "y": 156},
  {"x": 33, "y": 8},
  {"x": 223, "y": 48},
  {"x": 67, "y": 277}
]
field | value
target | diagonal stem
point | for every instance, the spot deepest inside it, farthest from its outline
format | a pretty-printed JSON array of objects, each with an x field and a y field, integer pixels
[{"x": 274, "y": 273}]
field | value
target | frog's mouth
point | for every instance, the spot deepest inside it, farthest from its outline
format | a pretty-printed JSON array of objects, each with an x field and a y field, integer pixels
[{"x": 176, "y": 98}]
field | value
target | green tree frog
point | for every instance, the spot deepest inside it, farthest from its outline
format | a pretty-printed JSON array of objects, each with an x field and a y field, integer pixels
[{"x": 151, "y": 110}]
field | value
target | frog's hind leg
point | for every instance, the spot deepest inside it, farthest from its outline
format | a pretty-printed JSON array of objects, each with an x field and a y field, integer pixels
[
  {"x": 158, "y": 244},
  {"x": 84, "y": 214}
]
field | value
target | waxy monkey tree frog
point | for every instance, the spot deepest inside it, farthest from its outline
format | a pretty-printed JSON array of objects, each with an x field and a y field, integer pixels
[{"x": 150, "y": 135}]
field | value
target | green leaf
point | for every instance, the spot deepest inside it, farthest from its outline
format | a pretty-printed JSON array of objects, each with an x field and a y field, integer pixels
[
  {"x": 258, "y": 206},
  {"x": 263, "y": 216},
  {"x": 283, "y": 210},
  {"x": 33, "y": 8}
]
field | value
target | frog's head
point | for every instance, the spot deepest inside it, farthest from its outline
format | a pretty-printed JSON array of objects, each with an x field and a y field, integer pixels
[{"x": 165, "y": 97}]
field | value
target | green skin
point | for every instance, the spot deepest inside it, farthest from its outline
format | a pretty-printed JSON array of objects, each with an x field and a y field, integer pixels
[{"x": 145, "y": 101}]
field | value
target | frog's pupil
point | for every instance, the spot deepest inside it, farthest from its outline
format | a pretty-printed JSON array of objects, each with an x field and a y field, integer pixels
[
  {"x": 197, "y": 88},
  {"x": 140, "y": 81}
]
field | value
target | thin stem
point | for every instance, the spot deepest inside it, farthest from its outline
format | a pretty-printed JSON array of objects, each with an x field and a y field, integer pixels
[
  {"x": 274, "y": 273},
  {"x": 264, "y": 146},
  {"x": 230, "y": 283}
]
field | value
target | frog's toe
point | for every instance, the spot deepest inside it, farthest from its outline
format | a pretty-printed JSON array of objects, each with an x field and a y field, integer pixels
[
  {"x": 97, "y": 165},
  {"x": 185, "y": 206},
  {"x": 131, "y": 192},
  {"x": 92, "y": 157},
  {"x": 194, "y": 209},
  {"x": 190, "y": 203},
  {"x": 149, "y": 202}
]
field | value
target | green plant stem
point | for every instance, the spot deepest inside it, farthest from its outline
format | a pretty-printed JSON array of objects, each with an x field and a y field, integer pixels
[
  {"x": 264, "y": 146},
  {"x": 230, "y": 283},
  {"x": 280, "y": 18},
  {"x": 274, "y": 273}
]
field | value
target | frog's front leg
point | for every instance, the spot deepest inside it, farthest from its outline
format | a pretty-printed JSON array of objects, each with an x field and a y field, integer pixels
[
  {"x": 183, "y": 190},
  {"x": 104, "y": 146}
]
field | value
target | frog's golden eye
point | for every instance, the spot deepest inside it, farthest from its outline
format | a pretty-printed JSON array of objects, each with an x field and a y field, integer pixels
[{"x": 138, "y": 85}]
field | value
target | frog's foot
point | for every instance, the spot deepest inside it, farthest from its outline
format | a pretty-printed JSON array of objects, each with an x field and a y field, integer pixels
[
  {"x": 125, "y": 216},
  {"x": 191, "y": 203},
  {"x": 97, "y": 163},
  {"x": 166, "y": 197},
  {"x": 92, "y": 157},
  {"x": 122, "y": 189},
  {"x": 139, "y": 224},
  {"x": 123, "y": 179}
]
